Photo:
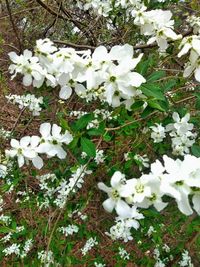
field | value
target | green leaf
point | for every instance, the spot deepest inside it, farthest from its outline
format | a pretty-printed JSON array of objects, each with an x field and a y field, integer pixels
[
  {"x": 148, "y": 110},
  {"x": 196, "y": 150},
  {"x": 160, "y": 105},
  {"x": 153, "y": 90},
  {"x": 143, "y": 66},
  {"x": 156, "y": 76},
  {"x": 82, "y": 122},
  {"x": 4, "y": 229},
  {"x": 64, "y": 124},
  {"x": 93, "y": 132},
  {"x": 74, "y": 143},
  {"x": 137, "y": 105},
  {"x": 169, "y": 85},
  {"x": 88, "y": 147}
]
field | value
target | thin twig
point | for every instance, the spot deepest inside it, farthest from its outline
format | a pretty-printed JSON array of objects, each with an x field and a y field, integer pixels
[
  {"x": 13, "y": 25},
  {"x": 78, "y": 46},
  {"x": 17, "y": 120},
  {"x": 130, "y": 122}
]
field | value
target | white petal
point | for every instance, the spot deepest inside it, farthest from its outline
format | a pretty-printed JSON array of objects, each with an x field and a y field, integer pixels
[
  {"x": 196, "y": 203},
  {"x": 20, "y": 160},
  {"x": 14, "y": 143},
  {"x": 27, "y": 79},
  {"x": 160, "y": 205},
  {"x": 184, "y": 205},
  {"x": 56, "y": 130},
  {"x": 35, "y": 140},
  {"x": 45, "y": 129},
  {"x": 65, "y": 92},
  {"x": 197, "y": 74},
  {"x": 109, "y": 204},
  {"x": 123, "y": 209},
  {"x": 37, "y": 162},
  {"x": 25, "y": 141},
  {"x": 104, "y": 187},
  {"x": 117, "y": 176},
  {"x": 29, "y": 153}
]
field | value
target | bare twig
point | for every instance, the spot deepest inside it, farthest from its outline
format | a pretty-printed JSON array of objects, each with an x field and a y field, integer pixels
[
  {"x": 78, "y": 46},
  {"x": 17, "y": 120},
  {"x": 13, "y": 25}
]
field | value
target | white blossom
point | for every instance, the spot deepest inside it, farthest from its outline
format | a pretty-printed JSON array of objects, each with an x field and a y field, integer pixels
[{"x": 90, "y": 243}]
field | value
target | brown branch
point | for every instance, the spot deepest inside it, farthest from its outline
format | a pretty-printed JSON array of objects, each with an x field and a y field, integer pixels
[
  {"x": 144, "y": 46},
  {"x": 13, "y": 25},
  {"x": 81, "y": 46},
  {"x": 20, "y": 11},
  {"x": 51, "y": 11}
]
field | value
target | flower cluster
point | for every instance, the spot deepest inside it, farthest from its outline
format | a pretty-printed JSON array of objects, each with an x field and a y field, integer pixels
[
  {"x": 158, "y": 25},
  {"x": 194, "y": 22},
  {"x": 50, "y": 143},
  {"x": 103, "y": 75},
  {"x": 47, "y": 258},
  {"x": 158, "y": 133},
  {"x": 69, "y": 230},
  {"x": 121, "y": 230},
  {"x": 90, "y": 243},
  {"x": 66, "y": 187},
  {"x": 175, "y": 178},
  {"x": 123, "y": 254},
  {"x": 160, "y": 260},
  {"x": 3, "y": 171},
  {"x": 4, "y": 133},
  {"x": 97, "y": 264},
  {"x": 180, "y": 132},
  {"x": 142, "y": 161},
  {"x": 17, "y": 249},
  {"x": 186, "y": 260},
  {"x": 104, "y": 8},
  {"x": 27, "y": 101},
  {"x": 99, "y": 115}
]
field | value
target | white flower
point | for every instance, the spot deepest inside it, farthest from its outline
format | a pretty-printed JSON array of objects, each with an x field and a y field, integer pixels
[
  {"x": 6, "y": 219},
  {"x": 27, "y": 101},
  {"x": 66, "y": 187},
  {"x": 52, "y": 140},
  {"x": 123, "y": 254},
  {"x": 13, "y": 249},
  {"x": 28, "y": 66},
  {"x": 90, "y": 243},
  {"x": 142, "y": 161},
  {"x": 157, "y": 24},
  {"x": 158, "y": 133},
  {"x": 47, "y": 258},
  {"x": 96, "y": 264},
  {"x": 186, "y": 260},
  {"x": 69, "y": 230},
  {"x": 181, "y": 132},
  {"x": 188, "y": 43},
  {"x": 27, "y": 247},
  {"x": 99, "y": 158},
  {"x": 21, "y": 150},
  {"x": 150, "y": 231},
  {"x": 115, "y": 193},
  {"x": 3, "y": 171},
  {"x": 137, "y": 189}
]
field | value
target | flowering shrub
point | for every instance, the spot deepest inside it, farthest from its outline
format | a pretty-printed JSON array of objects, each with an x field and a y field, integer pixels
[{"x": 118, "y": 113}]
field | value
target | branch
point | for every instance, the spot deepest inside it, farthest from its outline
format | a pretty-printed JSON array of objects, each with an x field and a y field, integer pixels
[
  {"x": 13, "y": 25},
  {"x": 74, "y": 45},
  {"x": 51, "y": 11}
]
